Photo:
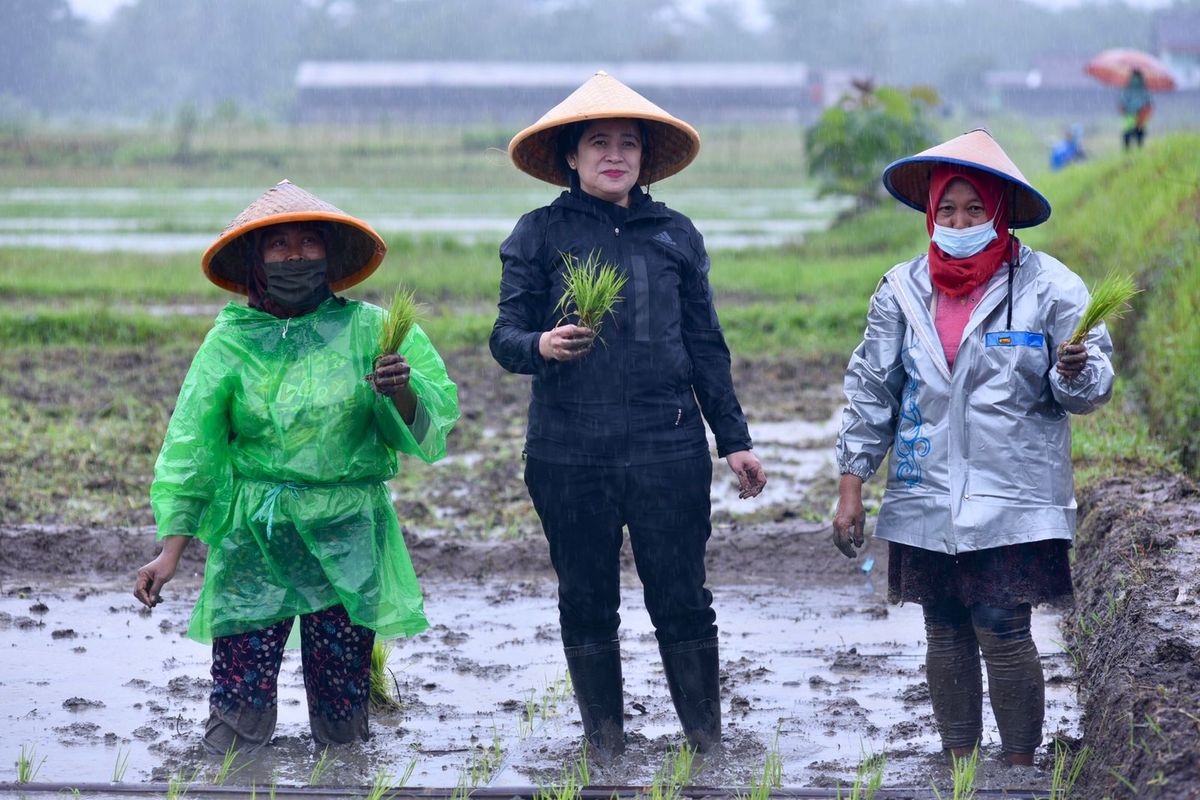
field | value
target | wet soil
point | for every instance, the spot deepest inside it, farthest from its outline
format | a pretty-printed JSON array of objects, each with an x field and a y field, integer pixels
[
  {"x": 816, "y": 665},
  {"x": 1136, "y": 633}
]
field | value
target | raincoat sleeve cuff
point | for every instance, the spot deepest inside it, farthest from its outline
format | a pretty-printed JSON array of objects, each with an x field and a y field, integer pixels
[
  {"x": 857, "y": 470},
  {"x": 182, "y": 520}
]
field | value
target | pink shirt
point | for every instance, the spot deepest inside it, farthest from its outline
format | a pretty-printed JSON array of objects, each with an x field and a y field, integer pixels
[{"x": 951, "y": 319}]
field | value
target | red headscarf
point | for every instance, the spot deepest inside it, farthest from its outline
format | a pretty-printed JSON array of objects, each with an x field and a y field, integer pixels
[{"x": 959, "y": 276}]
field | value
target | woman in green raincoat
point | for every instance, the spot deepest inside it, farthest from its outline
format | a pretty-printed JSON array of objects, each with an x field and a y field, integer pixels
[{"x": 277, "y": 457}]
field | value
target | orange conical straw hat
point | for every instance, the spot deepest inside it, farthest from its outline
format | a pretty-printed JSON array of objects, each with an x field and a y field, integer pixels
[
  {"x": 673, "y": 143},
  {"x": 908, "y": 178},
  {"x": 354, "y": 251}
]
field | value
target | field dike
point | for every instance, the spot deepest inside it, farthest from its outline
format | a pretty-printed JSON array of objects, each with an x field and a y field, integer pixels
[{"x": 1135, "y": 636}]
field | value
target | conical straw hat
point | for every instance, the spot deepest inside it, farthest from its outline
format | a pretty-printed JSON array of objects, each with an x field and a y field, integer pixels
[
  {"x": 908, "y": 178},
  {"x": 354, "y": 250},
  {"x": 673, "y": 143}
]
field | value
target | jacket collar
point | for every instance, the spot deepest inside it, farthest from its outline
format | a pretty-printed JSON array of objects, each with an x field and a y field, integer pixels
[{"x": 641, "y": 205}]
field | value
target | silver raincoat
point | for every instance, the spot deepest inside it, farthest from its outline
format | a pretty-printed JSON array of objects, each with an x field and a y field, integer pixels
[{"x": 980, "y": 457}]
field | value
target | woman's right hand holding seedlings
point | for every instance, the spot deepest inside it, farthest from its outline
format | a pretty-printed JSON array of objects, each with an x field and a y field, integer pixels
[{"x": 566, "y": 343}]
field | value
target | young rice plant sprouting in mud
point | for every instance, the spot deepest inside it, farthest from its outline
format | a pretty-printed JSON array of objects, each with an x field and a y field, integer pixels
[
  {"x": 227, "y": 770},
  {"x": 868, "y": 778},
  {"x": 121, "y": 765},
  {"x": 27, "y": 769},
  {"x": 571, "y": 781},
  {"x": 962, "y": 777},
  {"x": 381, "y": 784},
  {"x": 1067, "y": 769},
  {"x": 1110, "y": 300},
  {"x": 383, "y": 682},
  {"x": 770, "y": 778},
  {"x": 323, "y": 763},
  {"x": 592, "y": 290},
  {"x": 179, "y": 783}
]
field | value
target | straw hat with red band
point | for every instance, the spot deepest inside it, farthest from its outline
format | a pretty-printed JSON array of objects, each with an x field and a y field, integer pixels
[
  {"x": 908, "y": 178},
  {"x": 673, "y": 144},
  {"x": 353, "y": 252}
]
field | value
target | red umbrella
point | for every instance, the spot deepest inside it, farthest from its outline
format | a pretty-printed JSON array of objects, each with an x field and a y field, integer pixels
[{"x": 1115, "y": 66}]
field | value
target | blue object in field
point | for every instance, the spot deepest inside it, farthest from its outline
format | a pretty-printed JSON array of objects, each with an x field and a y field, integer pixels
[
  {"x": 1068, "y": 149},
  {"x": 867, "y": 565}
]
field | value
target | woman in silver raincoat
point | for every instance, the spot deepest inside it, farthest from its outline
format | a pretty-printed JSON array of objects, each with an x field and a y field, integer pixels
[{"x": 965, "y": 376}]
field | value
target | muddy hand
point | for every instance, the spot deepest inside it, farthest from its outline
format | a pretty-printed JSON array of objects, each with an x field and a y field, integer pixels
[
  {"x": 150, "y": 580},
  {"x": 849, "y": 517},
  {"x": 1071, "y": 360},
  {"x": 749, "y": 471},
  {"x": 391, "y": 374},
  {"x": 566, "y": 343}
]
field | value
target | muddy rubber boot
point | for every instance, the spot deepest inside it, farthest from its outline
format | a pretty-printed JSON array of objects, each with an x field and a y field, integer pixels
[
  {"x": 596, "y": 675},
  {"x": 245, "y": 729},
  {"x": 693, "y": 672},
  {"x": 340, "y": 731}
]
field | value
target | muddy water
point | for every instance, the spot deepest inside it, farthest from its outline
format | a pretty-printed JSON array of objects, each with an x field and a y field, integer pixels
[
  {"x": 178, "y": 221},
  {"x": 823, "y": 673}
]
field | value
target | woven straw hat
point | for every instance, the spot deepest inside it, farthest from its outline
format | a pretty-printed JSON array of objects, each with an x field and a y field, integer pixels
[
  {"x": 908, "y": 178},
  {"x": 354, "y": 250},
  {"x": 673, "y": 143}
]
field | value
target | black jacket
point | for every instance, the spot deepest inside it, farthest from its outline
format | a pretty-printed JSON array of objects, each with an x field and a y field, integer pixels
[{"x": 633, "y": 398}]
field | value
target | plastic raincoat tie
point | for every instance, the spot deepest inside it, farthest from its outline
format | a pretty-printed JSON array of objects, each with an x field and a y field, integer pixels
[{"x": 266, "y": 512}]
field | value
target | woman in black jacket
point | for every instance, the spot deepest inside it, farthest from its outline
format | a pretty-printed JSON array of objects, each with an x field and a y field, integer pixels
[{"x": 615, "y": 435}]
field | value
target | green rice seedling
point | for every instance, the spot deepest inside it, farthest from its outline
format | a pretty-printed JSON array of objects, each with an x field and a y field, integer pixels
[
  {"x": 1067, "y": 769},
  {"x": 771, "y": 777},
  {"x": 408, "y": 773},
  {"x": 27, "y": 769},
  {"x": 383, "y": 682},
  {"x": 402, "y": 314},
  {"x": 681, "y": 764},
  {"x": 321, "y": 767},
  {"x": 962, "y": 777},
  {"x": 868, "y": 778},
  {"x": 179, "y": 783},
  {"x": 1110, "y": 300},
  {"x": 381, "y": 784},
  {"x": 571, "y": 782},
  {"x": 227, "y": 768},
  {"x": 592, "y": 290},
  {"x": 121, "y": 765}
]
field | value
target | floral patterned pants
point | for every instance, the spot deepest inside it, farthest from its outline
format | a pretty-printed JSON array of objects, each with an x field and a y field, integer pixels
[{"x": 336, "y": 655}]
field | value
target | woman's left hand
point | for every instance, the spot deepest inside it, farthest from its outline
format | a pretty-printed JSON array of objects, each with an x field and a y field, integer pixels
[
  {"x": 750, "y": 473},
  {"x": 1071, "y": 360},
  {"x": 391, "y": 375}
]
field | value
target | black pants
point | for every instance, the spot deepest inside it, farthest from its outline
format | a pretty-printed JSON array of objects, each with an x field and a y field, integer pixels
[
  {"x": 666, "y": 508},
  {"x": 957, "y": 634}
]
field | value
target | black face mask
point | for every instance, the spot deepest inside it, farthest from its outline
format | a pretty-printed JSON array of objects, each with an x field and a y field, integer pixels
[{"x": 298, "y": 285}]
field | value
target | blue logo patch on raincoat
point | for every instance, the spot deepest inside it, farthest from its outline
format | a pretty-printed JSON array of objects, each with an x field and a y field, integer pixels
[{"x": 1015, "y": 339}]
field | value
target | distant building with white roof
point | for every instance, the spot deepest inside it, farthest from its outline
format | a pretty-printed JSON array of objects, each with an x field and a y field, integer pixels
[{"x": 506, "y": 92}]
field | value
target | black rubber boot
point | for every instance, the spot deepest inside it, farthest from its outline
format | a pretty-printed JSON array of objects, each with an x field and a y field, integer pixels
[
  {"x": 596, "y": 675},
  {"x": 694, "y": 678}
]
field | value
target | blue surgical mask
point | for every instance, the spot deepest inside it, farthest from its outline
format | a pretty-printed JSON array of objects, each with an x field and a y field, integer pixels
[{"x": 964, "y": 242}]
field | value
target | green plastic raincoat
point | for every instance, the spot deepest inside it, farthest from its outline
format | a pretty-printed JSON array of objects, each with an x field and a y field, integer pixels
[{"x": 277, "y": 455}]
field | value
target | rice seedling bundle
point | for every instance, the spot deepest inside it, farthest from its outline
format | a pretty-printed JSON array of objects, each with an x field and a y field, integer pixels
[
  {"x": 402, "y": 314},
  {"x": 1110, "y": 300},
  {"x": 383, "y": 684},
  {"x": 592, "y": 289}
]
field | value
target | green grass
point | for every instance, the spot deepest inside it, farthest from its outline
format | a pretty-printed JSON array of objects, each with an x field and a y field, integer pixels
[{"x": 1138, "y": 213}]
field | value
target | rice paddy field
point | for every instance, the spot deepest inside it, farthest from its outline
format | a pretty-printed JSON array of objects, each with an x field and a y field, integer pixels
[{"x": 102, "y": 304}]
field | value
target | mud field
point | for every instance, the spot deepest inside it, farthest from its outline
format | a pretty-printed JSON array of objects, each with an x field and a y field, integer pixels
[{"x": 815, "y": 665}]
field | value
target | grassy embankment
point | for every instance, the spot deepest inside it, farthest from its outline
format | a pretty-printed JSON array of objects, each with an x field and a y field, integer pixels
[{"x": 94, "y": 345}]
